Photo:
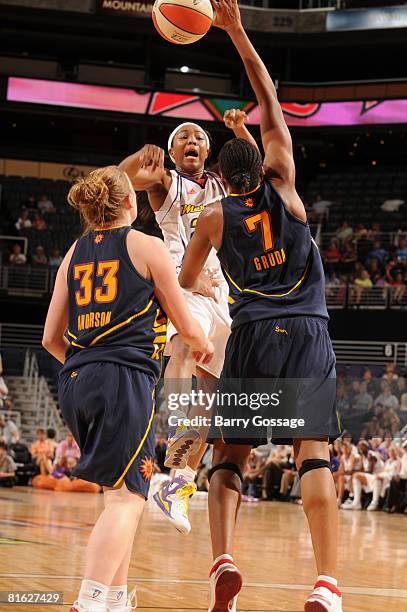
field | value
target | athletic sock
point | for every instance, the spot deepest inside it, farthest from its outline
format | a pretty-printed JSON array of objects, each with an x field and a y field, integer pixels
[
  {"x": 117, "y": 597},
  {"x": 93, "y": 595},
  {"x": 224, "y": 557},
  {"x": 357, "y": 491},
  {"x": 188, "y": 473},
  {"x": 328, "y": 579}
]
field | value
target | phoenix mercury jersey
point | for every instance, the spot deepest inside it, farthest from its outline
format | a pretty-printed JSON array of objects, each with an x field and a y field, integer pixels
[
  {"x": 178, "y": 215},
  {"x": 113, "y": 312},
  {"x": 272, "y": 265}
]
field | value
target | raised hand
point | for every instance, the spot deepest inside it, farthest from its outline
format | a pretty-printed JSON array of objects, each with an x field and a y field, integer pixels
[
  {"x": 151, "y": 157},
  {"x": 234, "y": 118},
  {"x": 227, "y": 14}
]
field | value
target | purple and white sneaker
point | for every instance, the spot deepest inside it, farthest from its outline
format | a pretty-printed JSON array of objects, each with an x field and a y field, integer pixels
[
  {"x": 182, "y": 442},
  {"x": 173, "y": 500}
]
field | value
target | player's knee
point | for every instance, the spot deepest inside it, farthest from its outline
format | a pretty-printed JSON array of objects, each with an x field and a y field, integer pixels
[
  {"x": 230, "y": 468},
  {"x": 308, "y": 465}
]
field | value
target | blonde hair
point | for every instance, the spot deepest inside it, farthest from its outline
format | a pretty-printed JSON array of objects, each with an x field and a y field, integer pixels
[{"x": 99, "y": 196}]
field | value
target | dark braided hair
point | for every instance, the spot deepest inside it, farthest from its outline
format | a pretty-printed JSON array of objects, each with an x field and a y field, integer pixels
[{"x": 240, "y": 164}]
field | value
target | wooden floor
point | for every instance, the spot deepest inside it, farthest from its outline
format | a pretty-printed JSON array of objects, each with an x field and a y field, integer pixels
[{"x": 43, "y": 537}]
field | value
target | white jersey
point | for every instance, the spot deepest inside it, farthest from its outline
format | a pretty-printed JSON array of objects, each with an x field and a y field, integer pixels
[{"x": 178, "y": 215}]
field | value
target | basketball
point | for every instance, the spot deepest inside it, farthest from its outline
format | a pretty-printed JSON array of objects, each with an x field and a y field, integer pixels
[{"x": 182, "y": 22}]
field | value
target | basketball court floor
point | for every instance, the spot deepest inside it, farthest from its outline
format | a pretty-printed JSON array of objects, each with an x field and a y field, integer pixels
[{"x": 43, "y": 537}]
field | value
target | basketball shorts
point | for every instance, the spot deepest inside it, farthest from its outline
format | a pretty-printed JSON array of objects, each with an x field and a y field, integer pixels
[
  {"x": 215, "y": 321},
  {"x": 109, "y": 408},
  {"x": 289, "y": 360}
]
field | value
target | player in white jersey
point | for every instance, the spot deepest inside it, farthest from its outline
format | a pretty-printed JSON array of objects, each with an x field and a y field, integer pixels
[
  {"x": 372, "y": 464},
  {"x": 177, "y": 198}
]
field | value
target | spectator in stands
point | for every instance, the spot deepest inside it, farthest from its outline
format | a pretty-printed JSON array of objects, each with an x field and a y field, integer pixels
[
  {"x": 399, "y": 288},
  {"x": 362, "y": 283},
  {"x": 3, "y": 388},
  {"x": 45, "y": 205},
  {"x": 38, "y": 222},
  {"x": 349, "y": 464},
  {"x": 382, "y": 479},
  {"x": 252, "y": 475},
  {"x": 397, "y": 495},
  {"x": 321, "y": 207},
  {"x": 344, "y": 233},
  {"x": 17, "y": 258},
  {"x": 390, "y": 420},
  {"x": 362, "y": 401},
  {"x": 39, "y": 258},
  {"x": 30, "y": 203},
  {"x": 349, "y": 256},
  {"x": 401, "y": 252},
  {"x": 374, "y": 270},
  {"x": 378, "y": 252},
  {"x": 56, "y": 258},
  {"x": 9, "y": 433},
  {"x": 372, "y": 429},
  {"x": 68, "y": 448},
  {"x": 7, "y": 467},
  {"x": 23, "y": 221},
  {"x": 400, "y": 388},
  {"x": 360, "y": 232},
  {"x": 374, "y": 232},
  {"x": 390, "y": 375},
  {"x": 342, "y": 400},
  {"x": 51, "y": 433},
  {"x": 386, "y": 397},
  {"x": 332, "y": 254},
  {"x": 371, "y": 384},
  {"x": 42, "y": 452},
  {"x": 372, "y": 464}
]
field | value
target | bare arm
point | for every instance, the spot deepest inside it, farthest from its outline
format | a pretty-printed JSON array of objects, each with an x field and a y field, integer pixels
[
  {"x": 57, "y": 318},
  {"x": 169, "y": 294},
  {"x": 208, "y": 234},
  {"x": 276, "y": 138}
]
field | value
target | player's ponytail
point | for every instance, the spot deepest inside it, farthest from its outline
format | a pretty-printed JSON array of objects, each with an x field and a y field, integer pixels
[
  {"x": 99, "y": 196},
  {"x": 240, "y": 164}
]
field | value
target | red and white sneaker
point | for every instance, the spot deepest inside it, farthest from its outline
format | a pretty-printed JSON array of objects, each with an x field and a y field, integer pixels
[
  {"x": 225, "y": 583},
  {"x": 325, "y": 597}
]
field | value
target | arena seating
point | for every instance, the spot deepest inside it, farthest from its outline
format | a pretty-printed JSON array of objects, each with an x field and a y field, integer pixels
[{"x": 358, "y": 196}]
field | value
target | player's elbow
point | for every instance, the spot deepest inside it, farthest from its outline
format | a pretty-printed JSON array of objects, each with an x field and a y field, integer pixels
[{"x": 48, "y": 341}]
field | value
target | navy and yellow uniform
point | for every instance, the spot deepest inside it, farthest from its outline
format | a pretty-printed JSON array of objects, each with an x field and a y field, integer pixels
[
  {"x": 277, "y": 303},
  {"x": 117, "y": 334}
]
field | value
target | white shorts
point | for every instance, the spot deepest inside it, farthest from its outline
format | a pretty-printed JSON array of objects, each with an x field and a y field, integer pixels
[{"x": 215, "y": 321}]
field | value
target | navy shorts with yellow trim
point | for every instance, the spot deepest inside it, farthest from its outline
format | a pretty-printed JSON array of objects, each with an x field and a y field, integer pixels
[
  {"x": 290, "y": 356},
  {"x": 109, "y": 409}
]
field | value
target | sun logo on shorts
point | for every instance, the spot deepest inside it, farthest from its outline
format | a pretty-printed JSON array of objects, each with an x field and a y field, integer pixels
[
  {"x": 249, "y": 202},
  {"x": 99, "y": 238},
  {"x": 146, "y": 468}
]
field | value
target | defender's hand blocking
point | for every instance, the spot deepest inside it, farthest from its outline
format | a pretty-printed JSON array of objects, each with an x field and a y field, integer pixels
[
  {"x": 227, "y": 14},
  {"x": 234, "y": 118}
]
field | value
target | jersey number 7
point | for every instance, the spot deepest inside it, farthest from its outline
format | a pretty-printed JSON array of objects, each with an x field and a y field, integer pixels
[
  {"x": 262, "y": 218},
  {"x": 102, "y": 295}
]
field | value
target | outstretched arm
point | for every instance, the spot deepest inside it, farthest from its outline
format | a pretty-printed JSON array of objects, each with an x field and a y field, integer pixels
[
  {"x": 274, "y": 131},
  {"x": 208, "y": 234},
  {"x": 146, "y": 171}
]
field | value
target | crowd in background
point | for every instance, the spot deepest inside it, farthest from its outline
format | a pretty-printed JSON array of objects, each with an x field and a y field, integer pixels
[{"x": 357, "y": 256}]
